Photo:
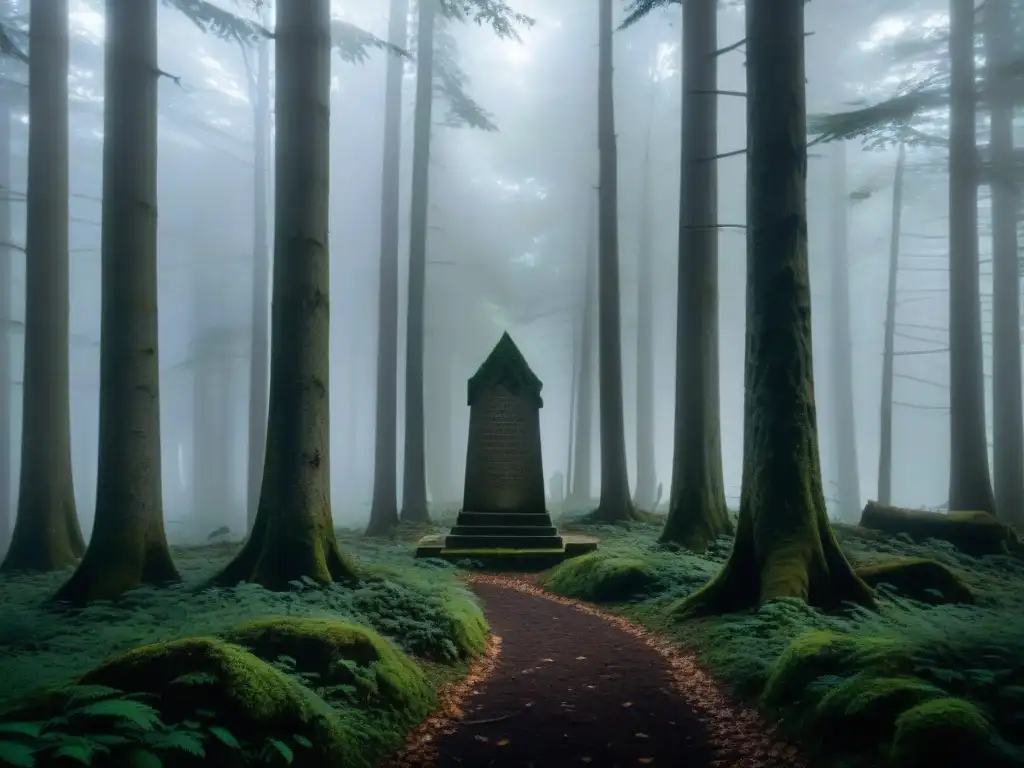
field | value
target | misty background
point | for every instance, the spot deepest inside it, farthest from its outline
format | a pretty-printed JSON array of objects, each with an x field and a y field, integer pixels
[{"x": 511, "y": 216}]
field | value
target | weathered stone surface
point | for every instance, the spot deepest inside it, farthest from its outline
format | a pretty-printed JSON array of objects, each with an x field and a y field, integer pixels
[{"x": 503, "y": 504}]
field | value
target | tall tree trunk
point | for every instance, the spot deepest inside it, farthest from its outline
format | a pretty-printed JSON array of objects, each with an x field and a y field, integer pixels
[
  {"x": 843, "y": 419},
  {"x": 970, "y": 486},
  {"x": 438, "y": 392},
  {"x": 46, "y": 531},
  {"x": 128, "y": 545},
  {"x": 1007, "y": 412},
  {"x": 6, "y": 374},
  {"x": 293, "y": 536},
  {"x": 615, "y": 503},
  {"x": 889, "y": 351},
  {"x": 697, "y": 513},
  {"x": 646, "y": 470},
  {"x": 259, "y": 359},
  {"x": 784, "y": 543},
  {"x": 414, "y": 482},
  {"x": 581, "y": 482},
  {"x": 384, "y": 506}
]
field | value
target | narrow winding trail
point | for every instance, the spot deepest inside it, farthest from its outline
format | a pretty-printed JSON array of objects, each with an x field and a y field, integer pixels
[{"x": 569, "y": 685}]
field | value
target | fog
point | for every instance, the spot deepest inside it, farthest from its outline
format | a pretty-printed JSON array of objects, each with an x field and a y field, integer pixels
[{"x": 511, "y": 216}]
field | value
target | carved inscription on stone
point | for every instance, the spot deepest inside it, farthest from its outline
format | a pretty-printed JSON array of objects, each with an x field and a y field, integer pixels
[{"x": 503, "y": 445}]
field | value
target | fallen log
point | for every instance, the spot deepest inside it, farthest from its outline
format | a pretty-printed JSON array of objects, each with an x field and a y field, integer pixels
[{"x": 973, "y": 533}]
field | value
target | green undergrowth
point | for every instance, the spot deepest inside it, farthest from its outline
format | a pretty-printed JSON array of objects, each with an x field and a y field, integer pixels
[
  {"x": 919, "y": 683},
  {"x": 233, "y": 677}
]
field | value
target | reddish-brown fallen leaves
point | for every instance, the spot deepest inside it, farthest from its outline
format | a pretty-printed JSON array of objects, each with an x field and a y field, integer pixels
[
  {"x": 419, "y": 749},
  {"x": 741, "y": 738}
]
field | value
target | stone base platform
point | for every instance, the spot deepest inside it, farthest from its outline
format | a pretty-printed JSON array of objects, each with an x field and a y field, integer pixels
[{"x": 507, "y": 558}]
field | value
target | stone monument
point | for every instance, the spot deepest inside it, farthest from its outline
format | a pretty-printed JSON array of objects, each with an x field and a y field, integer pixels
[{"x": 503, "y": 505}]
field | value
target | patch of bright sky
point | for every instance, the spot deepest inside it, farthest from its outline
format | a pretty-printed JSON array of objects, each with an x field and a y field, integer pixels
[
  {"x": 86, "y": 21},
  {"x": 890, "y": 28},
  {"x": 666, "y": 62}
]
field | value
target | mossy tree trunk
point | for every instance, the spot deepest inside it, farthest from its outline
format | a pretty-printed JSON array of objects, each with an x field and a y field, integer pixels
[
  {"x": 46, "y": 531},
  {"x": 293, "y": 535},
  {"x": 646, "y": 461},
  {"x": 889, "y": 345},
  {"x": 6, "y": 319},
  {"x": 259, "y": 359},
  {"x": 128, "y": 545},
  {"x": 1007, "y": 412},
  {"x": 615, "y": 503},
  {"x": 970, "y": 485},
  {"x": 384, "y": 506},
  {"x": 697, "y": 512},
  {"x": 414, "y": 481},
  {"x": 843, "y": 419},
  {"x": 784, "y": 544},
  {"x": 581, "y": 482}
]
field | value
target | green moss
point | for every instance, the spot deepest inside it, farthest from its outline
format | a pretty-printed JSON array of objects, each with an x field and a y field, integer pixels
[
  {"x": 377, "y": 690},
  {"x": 602, "y": 578},
  {"x": 819, "y": 654},
  {"x": 249, "y": 698},
  {"x": 919, "y": 579},
  {"x": 468, "y": 629},
  {"x": 863, "y": 708},
  {"x": 942, "y": 733}
]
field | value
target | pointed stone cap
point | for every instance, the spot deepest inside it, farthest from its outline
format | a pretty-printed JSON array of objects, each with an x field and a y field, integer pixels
[{"x": 506, "y": 367}]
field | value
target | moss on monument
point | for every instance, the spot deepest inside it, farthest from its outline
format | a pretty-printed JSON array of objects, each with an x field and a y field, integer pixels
[{"x": 506, "y": 367}]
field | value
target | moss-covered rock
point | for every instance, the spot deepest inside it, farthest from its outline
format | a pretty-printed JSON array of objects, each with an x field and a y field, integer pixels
[
  {"x": 919, "y": 579},
  {"x": 818, "y": 654},
  {"x": 602, "y": 578},
  {"x": 348, "y": 664},
  {"x": 250, "y": 699},
  {"x": 942, "y": 733},
  {"x": 862, "y": 709}
]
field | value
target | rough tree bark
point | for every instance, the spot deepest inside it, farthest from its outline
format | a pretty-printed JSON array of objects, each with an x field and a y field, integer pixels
[
  {"x": 46, "y": 535},
  {"x": 1007, "y": 411},
  {"x": 293, "y": 536},
  {"x": 615, "y": 503},
  {"x": 970, "y": 485},
  {"x": 697, "y": 512},
  {"x": 259, "y": 359},
  {"x": 646, "y": 469},
  {"x": 128, "y": 545},
  {"x": 581, "y": 481},
  {"x": 384, "y": 506},
  {"x": 784, "y": 544},
  {"x": 414, "y": 480},
  {"x": 843, "y": 419},
  {"x": 889, "y": 346}
]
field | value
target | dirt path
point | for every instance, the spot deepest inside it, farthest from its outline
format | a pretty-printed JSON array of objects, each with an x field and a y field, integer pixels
[{"x": 570, "y": 685}]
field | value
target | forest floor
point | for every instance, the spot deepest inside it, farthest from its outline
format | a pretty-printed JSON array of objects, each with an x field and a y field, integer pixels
[
  {"x": 919, "y": 683},
  {"x": 581, "y": 665}
]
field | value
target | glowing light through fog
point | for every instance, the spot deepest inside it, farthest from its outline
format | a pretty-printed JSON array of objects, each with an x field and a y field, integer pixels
[
  {"x": 84, "y": 20},
  {"x": 664, "y": 65},
  {"x": 515, "y": 54},
  {"x": 889, "y": 29}
]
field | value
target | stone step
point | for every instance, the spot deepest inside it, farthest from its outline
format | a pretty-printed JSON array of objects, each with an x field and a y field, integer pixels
[
  {"x": 503, "y": 542},
  {"x": 503, "y": 518},
  {"x": 504, "y": 530}
]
